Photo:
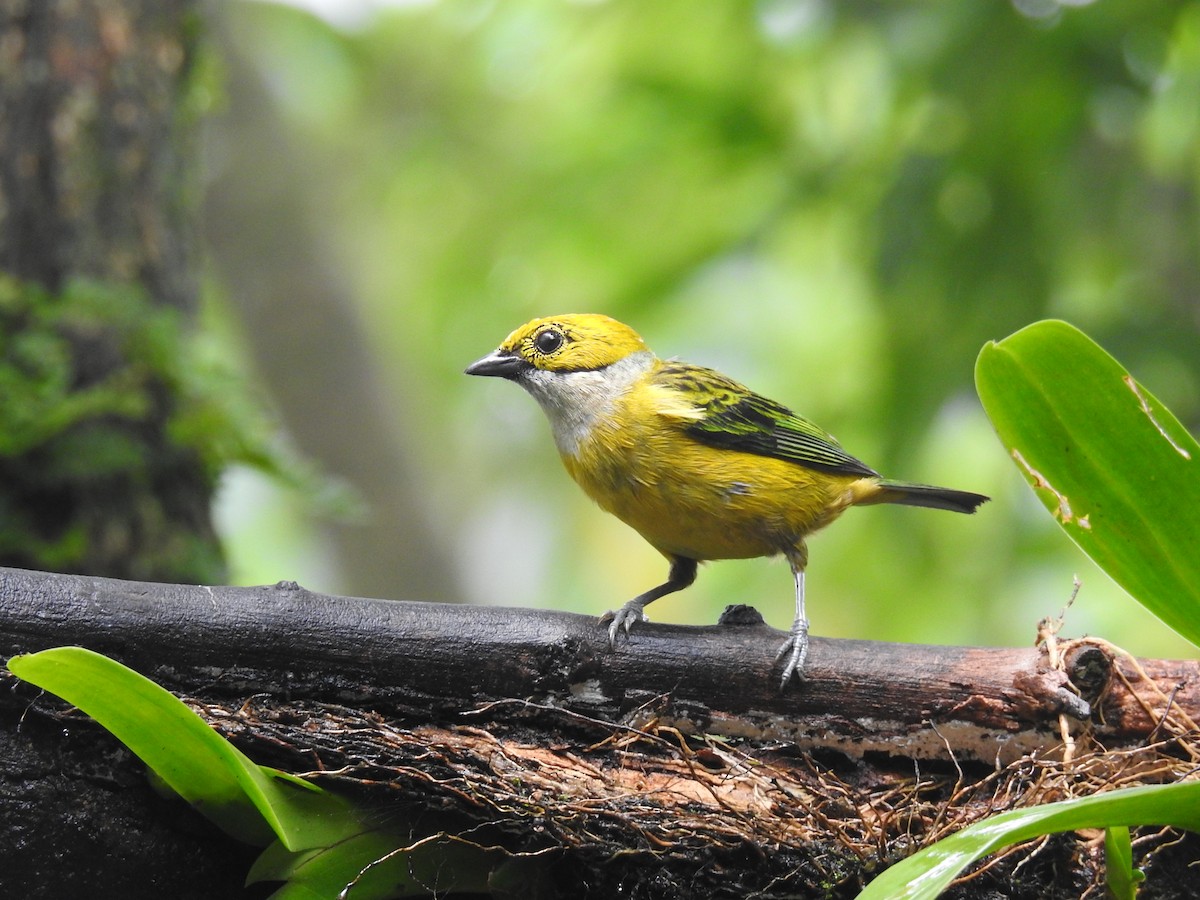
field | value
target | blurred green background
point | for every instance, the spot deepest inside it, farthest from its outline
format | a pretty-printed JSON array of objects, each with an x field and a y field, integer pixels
[{"x": 835, "y": 203}]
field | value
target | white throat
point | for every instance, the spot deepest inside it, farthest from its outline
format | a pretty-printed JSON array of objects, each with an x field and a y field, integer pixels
[{"x": 575, "y": 402}]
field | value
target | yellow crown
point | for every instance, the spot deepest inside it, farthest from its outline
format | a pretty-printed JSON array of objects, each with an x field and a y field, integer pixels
[{"x": 573, "y": 343}]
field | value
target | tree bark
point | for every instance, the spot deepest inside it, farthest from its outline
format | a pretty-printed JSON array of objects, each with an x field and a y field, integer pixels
[
  {"x": 96, "y": 189},
  {"x": 674, "y": 756},
  {"x": 855, "y": 696}
]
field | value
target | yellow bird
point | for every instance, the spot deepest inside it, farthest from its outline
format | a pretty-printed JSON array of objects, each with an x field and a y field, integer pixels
[{"x": 702, "y": 467}]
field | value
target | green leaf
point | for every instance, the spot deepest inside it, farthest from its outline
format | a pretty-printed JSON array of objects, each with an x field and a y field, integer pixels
[
  {"x": 245, "y": 800},
  {"x": 1111, "y": 463},
  {"x": 325, "y": 843},
  {"x": 926, "y": 874},
  {"x": 377, "y": 864},
  {"x": 1122, "y": 879}
]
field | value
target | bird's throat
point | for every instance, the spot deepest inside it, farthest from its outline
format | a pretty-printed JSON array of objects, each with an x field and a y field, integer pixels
[{"x": 577, "y": 402}]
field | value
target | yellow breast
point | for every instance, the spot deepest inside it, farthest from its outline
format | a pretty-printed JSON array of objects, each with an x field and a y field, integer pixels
[{"x": 690, "y": 499}]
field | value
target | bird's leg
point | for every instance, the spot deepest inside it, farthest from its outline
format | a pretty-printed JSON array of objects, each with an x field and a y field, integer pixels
[
  {"x": 683, "y": 573},
  {"x": 795, "y": 648}
]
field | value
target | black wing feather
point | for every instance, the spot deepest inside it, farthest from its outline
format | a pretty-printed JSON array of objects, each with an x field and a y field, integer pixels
[{"x": 736, "y": 418}]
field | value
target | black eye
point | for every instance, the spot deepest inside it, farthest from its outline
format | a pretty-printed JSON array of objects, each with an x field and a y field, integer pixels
[{"x": 549, "y": 340}]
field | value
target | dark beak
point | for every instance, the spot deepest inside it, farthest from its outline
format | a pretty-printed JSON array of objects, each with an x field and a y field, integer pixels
[{"x": 500, "y": 363}]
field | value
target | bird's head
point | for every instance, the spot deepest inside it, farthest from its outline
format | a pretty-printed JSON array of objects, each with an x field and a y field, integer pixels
[
  {"x": 575, "y": 366},
  {"x": 579, "y": 342}
]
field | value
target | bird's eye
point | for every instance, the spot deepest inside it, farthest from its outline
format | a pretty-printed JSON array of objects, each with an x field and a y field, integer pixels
[{"x": 549, "y": 340}]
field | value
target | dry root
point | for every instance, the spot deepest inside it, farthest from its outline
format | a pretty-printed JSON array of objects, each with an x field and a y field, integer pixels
[{"x": 658, "y": 813}]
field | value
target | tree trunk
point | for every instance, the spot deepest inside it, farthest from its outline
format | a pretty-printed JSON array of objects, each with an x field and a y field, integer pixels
[
  {"x": 268, "y": 239},
  {"x": 96, "y": 285}
]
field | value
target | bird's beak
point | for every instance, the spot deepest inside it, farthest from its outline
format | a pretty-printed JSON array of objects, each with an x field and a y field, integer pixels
[{"x": 501, "y": 363}]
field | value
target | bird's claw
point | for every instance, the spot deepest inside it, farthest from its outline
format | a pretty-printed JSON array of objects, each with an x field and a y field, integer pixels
[
  {"x": 623, "y": 618},
  {"x": 795, "y": 649}
]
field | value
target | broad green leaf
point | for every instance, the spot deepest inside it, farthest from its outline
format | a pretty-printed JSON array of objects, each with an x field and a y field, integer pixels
[
  {"x": 926, "y": 874},
  {"x": 325, "y": 844},
  {"x": 245, "y": 800},
  {"x": 1111, "y": 463}
]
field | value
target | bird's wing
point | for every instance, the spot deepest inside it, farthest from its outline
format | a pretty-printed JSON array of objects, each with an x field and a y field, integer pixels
[{"x": 718, "y": 411}]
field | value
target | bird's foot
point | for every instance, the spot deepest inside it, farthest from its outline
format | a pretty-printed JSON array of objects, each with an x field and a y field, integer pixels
[
  {"x": 795, "y": 650},
  {"x": 622, "y": 619}
]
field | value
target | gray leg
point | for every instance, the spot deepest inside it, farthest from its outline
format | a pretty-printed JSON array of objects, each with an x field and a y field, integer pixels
[
  {"x": 795, "y": 648},
  {"x": 683, "y": 573}
]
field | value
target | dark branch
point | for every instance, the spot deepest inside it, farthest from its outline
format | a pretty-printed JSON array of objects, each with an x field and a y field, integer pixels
[
  {"x": 856, "y": 695},
  {"x": 522, "y": 729}
]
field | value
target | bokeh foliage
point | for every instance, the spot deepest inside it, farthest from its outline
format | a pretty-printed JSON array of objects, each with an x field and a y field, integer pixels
[{"x": 837, "y": 204}]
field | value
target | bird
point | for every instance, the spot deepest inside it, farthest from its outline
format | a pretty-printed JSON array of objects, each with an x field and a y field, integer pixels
[{"x": 699, "y": 465}]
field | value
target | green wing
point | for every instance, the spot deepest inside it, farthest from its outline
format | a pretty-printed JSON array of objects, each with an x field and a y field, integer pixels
[{"x": 736, "y": 418}]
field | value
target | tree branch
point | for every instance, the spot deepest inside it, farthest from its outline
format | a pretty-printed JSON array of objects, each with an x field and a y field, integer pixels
[
  {"x": 673, "y": 759},
  {"x": 856, "y": 696}
]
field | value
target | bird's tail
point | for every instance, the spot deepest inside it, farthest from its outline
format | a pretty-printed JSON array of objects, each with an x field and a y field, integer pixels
[{"x": 927, "y": 495}]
